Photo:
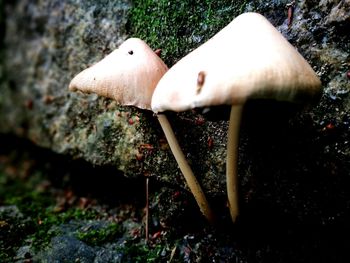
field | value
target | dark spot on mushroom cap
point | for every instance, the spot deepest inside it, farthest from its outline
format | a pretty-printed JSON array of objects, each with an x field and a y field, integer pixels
[
  {"x": 131, "y": 52},
  {"x": 200, "y": 78},
  {"x": 200, "y": 81}
]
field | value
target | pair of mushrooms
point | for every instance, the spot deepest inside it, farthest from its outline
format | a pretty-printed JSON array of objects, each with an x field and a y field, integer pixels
[{"x": 248, "y": 58}]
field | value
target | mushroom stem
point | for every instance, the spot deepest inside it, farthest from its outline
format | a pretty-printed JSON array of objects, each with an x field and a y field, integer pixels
[
  {"x": 232, "y": 160},
  {"x": 147, "y": 209},
  {"x": 191, "y": 180}
]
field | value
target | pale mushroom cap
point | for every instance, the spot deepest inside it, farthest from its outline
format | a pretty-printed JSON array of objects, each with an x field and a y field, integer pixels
[
  {"x": 248, "y": 58},
  {"x": 128, "y": 75}
]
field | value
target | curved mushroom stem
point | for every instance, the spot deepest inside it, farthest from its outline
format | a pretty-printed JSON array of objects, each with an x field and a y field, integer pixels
[
  {"x": 191, "y": 180},
  {"x": 232, "y": 158}
]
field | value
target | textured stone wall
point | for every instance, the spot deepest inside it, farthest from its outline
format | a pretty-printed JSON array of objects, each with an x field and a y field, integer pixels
[{"x": 47, "y": 42}]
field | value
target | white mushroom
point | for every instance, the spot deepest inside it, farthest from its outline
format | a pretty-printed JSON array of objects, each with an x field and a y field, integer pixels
[
  {"x": 248, "y": 58},
  {"x": 129, "y": 75}
]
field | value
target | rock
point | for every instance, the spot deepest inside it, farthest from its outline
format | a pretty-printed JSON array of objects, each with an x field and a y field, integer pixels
[
  {"x": 339, "y": 12},
  {"x": 12, "y": 226},
  {"x": 10, "y": 212},
  {"x": 58, "y": 40},
  {"x": 81, "y": 241},
  {"x": 292, "y": 160},
  {"x": 69, "y": 249},
  {"x": 45, "y": 37}
]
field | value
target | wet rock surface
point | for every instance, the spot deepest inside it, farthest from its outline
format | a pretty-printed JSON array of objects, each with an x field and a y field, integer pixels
[
  {"x": 293, "y": 164},
  {"x": 69, "y": 245}
]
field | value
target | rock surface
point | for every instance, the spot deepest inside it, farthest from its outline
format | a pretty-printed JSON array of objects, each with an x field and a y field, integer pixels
[{"x": 288, "y": 156}]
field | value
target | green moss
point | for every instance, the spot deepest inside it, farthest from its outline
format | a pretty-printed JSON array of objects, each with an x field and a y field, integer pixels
[
  {"x": 180, "y": 26},
  {"x": 39, "y": 207},
  {"x": 44, "y": 230},
  {"x": 39, "y": 212},
  {"x": 142, "y": 253},
  {"x": 96, "y": 237}
]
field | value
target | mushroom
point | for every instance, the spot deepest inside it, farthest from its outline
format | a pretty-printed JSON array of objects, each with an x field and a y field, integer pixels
[
  {"x": 248, "y": 58},
  {"x": 129, "y": 75}
]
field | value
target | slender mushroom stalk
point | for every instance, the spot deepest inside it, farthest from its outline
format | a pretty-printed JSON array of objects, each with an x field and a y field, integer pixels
[
  {"x": 147, "y": 209},
  {"x": 232, "y": 160},
  {"x": 129, "y": 75},
  {"x": 191, "y": 180},
  {"x": 248, "y": 58}
]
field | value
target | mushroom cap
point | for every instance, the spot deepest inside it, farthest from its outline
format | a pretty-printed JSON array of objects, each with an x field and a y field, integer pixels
[
  {"x": 128, "y": 75},
  {"x": 248, "y": 58}
]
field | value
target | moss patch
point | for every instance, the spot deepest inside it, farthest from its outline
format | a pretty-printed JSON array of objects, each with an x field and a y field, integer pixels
[
  {"x": 178, "y": 27},
  {"x": 30, "y": 207},
  {"x": 96, "y": 237},
  {"x": 39, "y": 209},
  {"x": 139, "y": 252}
]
